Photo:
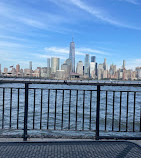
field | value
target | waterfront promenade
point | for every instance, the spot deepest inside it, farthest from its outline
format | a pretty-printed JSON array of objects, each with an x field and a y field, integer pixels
[{"x": 74, "y": 109}]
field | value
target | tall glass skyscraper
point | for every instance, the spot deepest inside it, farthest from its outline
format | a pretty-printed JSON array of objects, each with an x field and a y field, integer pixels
[
  {"x": 87, "y": 65},
  {"x": 72, "y": 55}
]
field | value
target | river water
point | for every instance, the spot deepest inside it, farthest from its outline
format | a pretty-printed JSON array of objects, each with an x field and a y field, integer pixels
[{"x": 82, "y": 115}]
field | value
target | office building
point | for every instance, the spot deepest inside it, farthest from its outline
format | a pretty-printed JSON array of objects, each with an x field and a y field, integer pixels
[
  {"x": 72, "y": 55},
  {"x": 55, "y": 63},
  {"x": 87, "y": 65},
  {"x": 123, "y": 64},
  {"x": 79, "y": 68},
  {"x": 30, "y": 66},
  {"x": 92, "y": 69},
  {"x": 93, "y": 59},
  {"x": 48, "y": 62}
]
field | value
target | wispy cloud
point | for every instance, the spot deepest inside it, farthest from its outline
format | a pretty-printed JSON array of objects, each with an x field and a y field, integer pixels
[
  {"x": 79, "y": 51},
  {"x": 135, "y": 2},
  {"x": 100, "y": 14}
]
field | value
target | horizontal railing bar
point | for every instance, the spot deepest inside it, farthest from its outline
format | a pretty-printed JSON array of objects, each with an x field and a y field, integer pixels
[
  {"x": 61, "y": 89},
  {"x": 10, "y": 88},
  {"x": 71, "y": 82},
  {"x": 118, "y": 91}
]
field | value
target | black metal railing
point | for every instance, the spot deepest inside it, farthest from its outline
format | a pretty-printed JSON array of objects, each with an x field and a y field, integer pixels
[{"x": 92, "y": 109}]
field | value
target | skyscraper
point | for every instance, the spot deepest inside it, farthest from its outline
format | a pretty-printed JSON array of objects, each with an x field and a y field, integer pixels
[
  {"x": 123, "y": 64},
  {"x": 55, "y": 63},
  {"x": 79, "y": 69},
  {"x": 93, "y": 58},
  {"x": 17, "y": 68},
  {"x": 48, "y": 62},
  {"x": 72, "y": 55},
  {"x": 30, "y": 66},
  {"x": 87, "y": 65}
]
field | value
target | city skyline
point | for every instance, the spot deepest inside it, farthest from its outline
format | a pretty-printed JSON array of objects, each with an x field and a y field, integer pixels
[
  {"x": 34, "y": 30},
  {"x": 91, "y": 69}
]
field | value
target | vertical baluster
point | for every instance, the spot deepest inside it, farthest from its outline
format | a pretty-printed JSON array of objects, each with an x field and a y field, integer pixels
[
  {"x": 134, "y": 111},
  {"x": 106, "y": 111},
  {"x": 120, "y": 111},
  {"x": 98, "y": 112},
  {"x": 83, "y": 109},
  {"x": 62, "y": 109},
  {"x": 55, "y": 109},
  {"x": 10, "y": 107},
  {"x": 113, "y": 111},
  {"x": 48, "y": 109},
  {"x": 25, "y": 136},
  {"x": 41, "y": 109},
  {"x": 127, "y": 111},
  {"x": 3, "y": 108},
  {"x": 90, "y": 110},
  {"x": 76, "y": 110},
  {"x": 18, "y": 109},
  {"x": 69, "y": 109},
  {"x": 34, "y": 108}
]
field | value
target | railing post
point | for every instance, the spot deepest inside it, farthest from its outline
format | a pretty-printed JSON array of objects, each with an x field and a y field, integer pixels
[
  {"x": 25, "y": 112},
  {"x": 98, "y": 112}
]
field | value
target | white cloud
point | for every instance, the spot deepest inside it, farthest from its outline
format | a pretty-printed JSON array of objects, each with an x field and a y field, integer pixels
[
  {"x": 79, "y": 51},
  {"x": 135, "y": 2},
  {"x": 100, "y": 14}
]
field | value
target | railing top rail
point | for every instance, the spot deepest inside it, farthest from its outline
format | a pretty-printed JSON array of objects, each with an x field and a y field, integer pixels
[{"x": 72, "y": 82}]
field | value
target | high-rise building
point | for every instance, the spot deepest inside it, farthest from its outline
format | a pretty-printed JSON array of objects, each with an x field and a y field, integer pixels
[
  {"x": 92, "y": 69},
  {"x": 93, "y": 59},
  {"x": 17, "y": 68},
  {"x": 123, "y": 64},
  {"x": 55, "y": 63},
  {"x": 105, "y": 64},
  {"x": 79, "y": 68},
  {"x": 72, "y": 55},
  {"x": 66, "y": 69},
  {"x": 30, "y": 66},
  {"x": 87, "y": 65},
  {"x": 48, "y": 62},
  {"x": 5, "y": 70}
]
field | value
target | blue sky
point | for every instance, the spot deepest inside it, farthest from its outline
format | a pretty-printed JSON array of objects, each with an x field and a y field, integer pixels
[{"x": 32, "y": 30}]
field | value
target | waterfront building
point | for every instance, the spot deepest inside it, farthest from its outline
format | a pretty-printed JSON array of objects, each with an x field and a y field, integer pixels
[
  {"x": 27, "y": 72},
  {"x": 105, "y": 64},
  {"x": 138, "y": 73},
  {"x": 48, "y": 62},
  {"x": 79, "y": 68},
  {"x": 30, "y": 66},
  {"x": 92, "y": 69},
  {"x": 105, "y": 74},
  {"x": 93, "y": 59},
  {"x": 87, "y": 66},
  {"x": 36, "y": 73},
  {"x": 123, "y": 64},
  {"x": 60, "y": 74},
  {"x": 100, "y": 71},
  {"x": 66, "y": 68},
  {"x": 5, "y": 70},
  {"x": 55, "y": 63},
  {"x": 72, "y": 55},
  {"x": 44, "y": 72},
  {"x": 17, "y": 68}
]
